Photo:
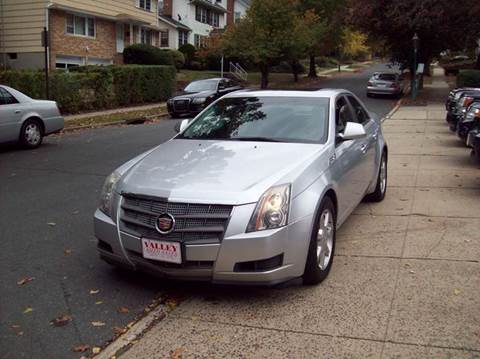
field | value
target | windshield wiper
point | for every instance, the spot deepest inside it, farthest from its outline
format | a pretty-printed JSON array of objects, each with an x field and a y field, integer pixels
[{"x": 260, "y": 139}]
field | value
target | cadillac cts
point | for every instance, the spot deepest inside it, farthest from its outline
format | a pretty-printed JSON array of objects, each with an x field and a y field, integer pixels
[{"x": 252, "y": 191}]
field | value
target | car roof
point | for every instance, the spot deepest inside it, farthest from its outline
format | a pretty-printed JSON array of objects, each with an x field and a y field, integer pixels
[{"x": 288, "y": 93}]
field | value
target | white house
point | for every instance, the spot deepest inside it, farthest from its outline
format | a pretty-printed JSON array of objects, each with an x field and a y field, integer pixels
[{"x": 191, "y": 21}]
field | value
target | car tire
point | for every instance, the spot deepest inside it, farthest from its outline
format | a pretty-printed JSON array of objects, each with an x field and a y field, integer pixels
[
  {"x": 382, "y": 180},
  {"x": 369, "y": 94},
  {"x": 31, "y": 134},
  {"x": 322, "y": 244}
]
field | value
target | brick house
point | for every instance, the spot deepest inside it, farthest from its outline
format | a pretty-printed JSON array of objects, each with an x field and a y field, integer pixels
[{"x": 81, "y": 33}]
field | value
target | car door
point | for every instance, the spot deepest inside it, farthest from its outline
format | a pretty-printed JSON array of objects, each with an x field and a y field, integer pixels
[
  {"x": 346, "y": 164},
  {"x": 10, "y": 116},
  {"x": 368, "y": 144}
]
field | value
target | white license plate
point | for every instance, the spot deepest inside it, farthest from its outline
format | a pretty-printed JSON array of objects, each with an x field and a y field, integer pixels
[{"x": 162, "y": 251}]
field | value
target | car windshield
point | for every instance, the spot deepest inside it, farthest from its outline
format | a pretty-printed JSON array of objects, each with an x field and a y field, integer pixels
[
  {"x": 385, "y": 77},
  {"x": 204, "y": 85},
  {"x": 273, "y": 119}
]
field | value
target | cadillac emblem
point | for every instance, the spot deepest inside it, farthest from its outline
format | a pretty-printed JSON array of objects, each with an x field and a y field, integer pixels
[{"x": 165, "y": 223}]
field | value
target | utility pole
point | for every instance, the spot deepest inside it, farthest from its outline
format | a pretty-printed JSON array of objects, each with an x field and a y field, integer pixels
[{"x": 45, "y": 47}]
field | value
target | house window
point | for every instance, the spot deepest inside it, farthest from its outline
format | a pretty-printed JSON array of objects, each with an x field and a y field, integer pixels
[
  {"x": 164, "y": 38},
  {"x": 161, "y": 4},
  {"x": 145, "y": 5},
  {"x": 237, "y": 16},
  {"x": 80, "y": 25},
  {"x": 201, "y": 14},
  {"x": 200, "y": 41},
  {"x": 67, "y": 62},
  {"x": 146, "y": 36},
  {"x": 214, "y": 19},
  {"x": 182, "y": 38}
]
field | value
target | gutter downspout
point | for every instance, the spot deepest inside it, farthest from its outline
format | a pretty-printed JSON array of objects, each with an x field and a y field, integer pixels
[
  {"x": 2, "y": 18},
  {"x": 47, "y": 25}
]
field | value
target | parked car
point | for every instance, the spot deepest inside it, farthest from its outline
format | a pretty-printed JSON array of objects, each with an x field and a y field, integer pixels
[
  {"x": 466, "y": 122},
  {"x": 452, "y": 99},
  {"x": 462, "y": 100},
  {"x": 199, "y": 94},
  {"x": 473, "y": 137},
  {"x": 385, "y": 83},
  {"x": 252, "y": 191},
  {"x": 25, "y": 120}
]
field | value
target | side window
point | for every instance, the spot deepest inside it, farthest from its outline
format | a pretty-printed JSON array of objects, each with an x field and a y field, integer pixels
[
  {"x": 360, "y": 112},
  {"x": 6, "y": 98},
  {"x": 342, "y": 114},
  {"x": 222, "y": 85}
]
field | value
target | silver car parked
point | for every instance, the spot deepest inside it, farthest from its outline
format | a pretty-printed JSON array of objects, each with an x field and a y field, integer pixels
[
  {"x": 25, "y": 120},
  {"x": 252, "y": 191},
  {"x": 385, "y": 83}
]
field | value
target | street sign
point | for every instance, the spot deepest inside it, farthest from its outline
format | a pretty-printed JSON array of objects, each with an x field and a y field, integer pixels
[{"x": 420, "y": 68}]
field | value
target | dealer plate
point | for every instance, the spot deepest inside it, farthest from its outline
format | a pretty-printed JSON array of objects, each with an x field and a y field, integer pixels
[{"x": 162, "y": 251}]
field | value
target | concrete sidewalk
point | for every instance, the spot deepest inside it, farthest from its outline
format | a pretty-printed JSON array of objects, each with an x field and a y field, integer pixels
[
  {"x": 159, "y": 105},
  {"x": 405, "y": 281}
]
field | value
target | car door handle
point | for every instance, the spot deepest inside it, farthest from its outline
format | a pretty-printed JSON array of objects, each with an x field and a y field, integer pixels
[
  {"x": 18, "y": 111},
  {"x": 364, "y": 148}
]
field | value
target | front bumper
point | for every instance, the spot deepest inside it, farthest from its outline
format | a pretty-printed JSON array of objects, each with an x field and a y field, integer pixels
[
  {"x": 473, "y": 139},
  {"x": 463, "y": 129},
  {"x": 219, "y": 262},
  {"x": 188, "y": 109}
]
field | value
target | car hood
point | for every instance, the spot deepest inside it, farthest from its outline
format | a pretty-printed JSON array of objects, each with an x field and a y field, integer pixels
[
  {"x": 193, "y": 94},
  {"x": 223, "y": 172}
]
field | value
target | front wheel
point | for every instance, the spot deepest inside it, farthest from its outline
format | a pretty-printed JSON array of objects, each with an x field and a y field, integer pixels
[
  {"x": 322, "y": 244},
  {"x": 31, "y": 134},
  {"x": 381, "y": 189}
]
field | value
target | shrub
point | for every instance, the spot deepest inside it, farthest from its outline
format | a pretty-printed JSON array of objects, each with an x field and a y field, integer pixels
[
  {"x": 188, "y": 51},
  {"x": 143, "y": 54},
  {"x": 468, "y": 78},
  {"x": 178, "y": 58},
  {"x": 285, "y": 67},
  {"x": 96, "y": 87},
  {"x": 324, "y": 61}
]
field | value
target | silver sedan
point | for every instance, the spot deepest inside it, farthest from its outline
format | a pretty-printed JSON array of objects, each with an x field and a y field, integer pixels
[
  {"x": 385, "y": 83},
  {"x": 252, "y": 191},
  {"x": 25, "y": 120}
]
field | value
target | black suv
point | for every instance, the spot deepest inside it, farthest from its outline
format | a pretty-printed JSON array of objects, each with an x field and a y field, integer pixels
[{"x": 199, "y": 94}]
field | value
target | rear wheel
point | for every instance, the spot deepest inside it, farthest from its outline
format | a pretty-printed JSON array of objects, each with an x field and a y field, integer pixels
[
  {"x": 322, "y": 244},
  {"x": 381, "y": 188},
  {"x": 31, "y": 134}
]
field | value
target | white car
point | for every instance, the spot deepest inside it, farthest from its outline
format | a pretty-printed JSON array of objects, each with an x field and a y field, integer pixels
[{"x": 25, "y": 120}]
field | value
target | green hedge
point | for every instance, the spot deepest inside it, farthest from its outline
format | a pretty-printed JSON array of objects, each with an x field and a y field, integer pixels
[
  {"x": 468, "y": 78},
  {"x": 96, "y": 87}
]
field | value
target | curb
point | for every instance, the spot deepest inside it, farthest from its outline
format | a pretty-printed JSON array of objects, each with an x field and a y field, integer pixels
[
  {"x": 392, "y": 111},
  {"x": 115, "y": 123}
]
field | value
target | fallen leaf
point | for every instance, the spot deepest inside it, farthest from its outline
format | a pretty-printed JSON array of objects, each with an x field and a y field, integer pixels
[
  {"x": 456, "y": 291},
  {"x": 123, "y": 310},
  {"x": 171, "y": 304},
  {"x": 61, "y": 320},
  {"x": 98, "y": 324},
  {"x": 131, "y": 324},
  {"x": 15, "y": 326},
  {"x": 96, "y": 350},
  {"x": 28, "y": 310},
  {"x": 52, "y": 224},
  {"x": 19, "y": 333},
  {"x": 177, "y": 353},
  {"x": 25, "y": 280},
  {"x": 94, "y": 291},
  {"x": 80, "y": 348},
  {"x": 411, "y": 271},
  {"x": 195, "y": 317},
  {"x": 119, "y": 330},
  {"x": 67, "y": 252},
  {"x": 407, "y": 265},
  {"x": 75, "y": 212},
  {"x": 99, "y": 302}
]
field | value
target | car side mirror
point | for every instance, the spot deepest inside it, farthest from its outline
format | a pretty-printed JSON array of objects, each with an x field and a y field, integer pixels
[
  {"x": 181, "y": 126},
  {"x": 352, "y": 131}
]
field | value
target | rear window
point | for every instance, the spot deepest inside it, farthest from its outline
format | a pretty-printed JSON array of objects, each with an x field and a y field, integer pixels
[{"x": 386, "y": 77}]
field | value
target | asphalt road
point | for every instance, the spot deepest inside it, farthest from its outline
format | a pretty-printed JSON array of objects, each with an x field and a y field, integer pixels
[{"x": 47, "y": 199}]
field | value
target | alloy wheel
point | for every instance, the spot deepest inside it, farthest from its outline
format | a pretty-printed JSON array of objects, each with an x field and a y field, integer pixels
[{"x": 325, "y": 239}]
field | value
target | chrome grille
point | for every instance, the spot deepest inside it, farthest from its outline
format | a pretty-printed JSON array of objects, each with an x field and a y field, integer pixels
[
  {"x": 205, "y": 223},
  {"x": 181, "y": 105}
]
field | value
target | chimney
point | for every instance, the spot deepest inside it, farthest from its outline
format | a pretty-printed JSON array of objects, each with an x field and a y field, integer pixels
[
  {"x": 168, "y": 7},
  {"x": 230, "y": 12}
]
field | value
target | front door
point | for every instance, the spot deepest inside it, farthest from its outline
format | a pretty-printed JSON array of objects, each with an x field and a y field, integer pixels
[{"x": 120, "y": 38}]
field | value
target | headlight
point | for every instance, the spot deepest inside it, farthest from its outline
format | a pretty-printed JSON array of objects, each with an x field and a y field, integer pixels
[
  {"x": 272, "y": 209},
  {"x": 107, "y": 193},
  {"x": 199, "y": 100}
]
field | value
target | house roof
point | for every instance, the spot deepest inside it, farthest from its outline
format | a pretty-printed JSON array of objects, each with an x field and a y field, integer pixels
[{"x": 173, "y": 22}]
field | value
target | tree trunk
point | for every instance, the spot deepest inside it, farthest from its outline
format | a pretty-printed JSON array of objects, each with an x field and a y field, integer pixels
[
  {"x": 313, "y": 69},
  {"x": 264, "y": 69},
  {"x": 477, "y": 66},
  {"x": 295, "y": 65}
]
